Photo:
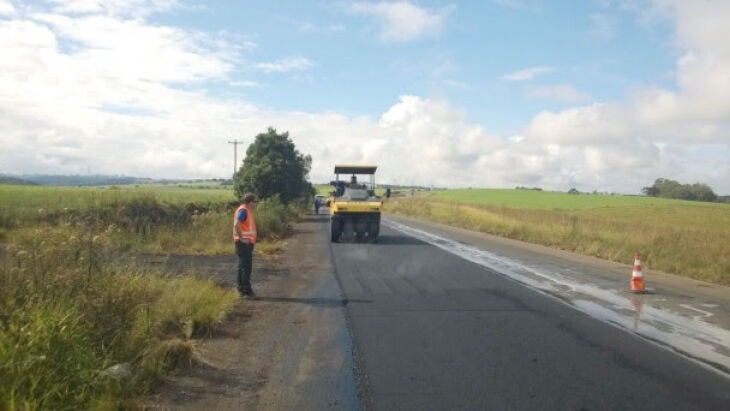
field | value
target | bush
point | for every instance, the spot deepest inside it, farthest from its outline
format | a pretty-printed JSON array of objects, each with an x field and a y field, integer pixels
[{"x": 272, "y": 218}]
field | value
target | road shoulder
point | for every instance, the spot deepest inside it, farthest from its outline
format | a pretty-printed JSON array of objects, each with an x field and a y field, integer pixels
[
  {"x": 687, "y": 316},
  {"x": 287, "y": 349}
]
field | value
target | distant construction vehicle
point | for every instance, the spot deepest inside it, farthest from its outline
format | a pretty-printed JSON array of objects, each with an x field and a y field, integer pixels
[{"x": 354, "y": 207}]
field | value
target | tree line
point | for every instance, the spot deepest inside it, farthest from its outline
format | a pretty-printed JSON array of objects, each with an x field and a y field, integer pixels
[{"x": 664, "y": 187}]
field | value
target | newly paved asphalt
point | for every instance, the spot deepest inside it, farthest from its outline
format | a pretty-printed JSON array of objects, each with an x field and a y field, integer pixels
[{"x": 434, "y": 331}]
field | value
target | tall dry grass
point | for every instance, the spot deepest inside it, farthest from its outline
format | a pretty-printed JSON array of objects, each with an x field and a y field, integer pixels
[
  {"x": 70, "y": 311},
  {"x": 145, "y": 222},
  {"x": 83, "y": 327},
  {"x": 684, "y": 240},
  {"x": 210, "y": 232}
]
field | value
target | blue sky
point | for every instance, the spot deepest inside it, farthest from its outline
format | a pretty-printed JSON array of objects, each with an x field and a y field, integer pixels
[
  {"x": 599, "y": 94},
  {"x": 355, "y": 72}
]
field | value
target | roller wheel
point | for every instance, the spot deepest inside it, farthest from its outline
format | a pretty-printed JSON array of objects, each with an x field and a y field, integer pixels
[
  {"x": 373, "y": 233},
  {"x": 335, "y": 231},
  {"x": 348, "y": 229}
]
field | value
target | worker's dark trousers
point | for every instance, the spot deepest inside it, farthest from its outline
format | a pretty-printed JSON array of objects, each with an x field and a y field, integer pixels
[{"x": 245, "y": 263}]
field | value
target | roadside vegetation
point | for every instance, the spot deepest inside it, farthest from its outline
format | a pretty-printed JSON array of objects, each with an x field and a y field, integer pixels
[
  {"x": 82, "y": 324},
  {"x": 80, "y": 328},
  {"x": 160, "y": 220},
  {"x": 686, "y": 238}
]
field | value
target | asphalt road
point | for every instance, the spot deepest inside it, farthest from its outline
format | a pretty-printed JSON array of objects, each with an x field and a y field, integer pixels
[{"x": 432, "y": 330}]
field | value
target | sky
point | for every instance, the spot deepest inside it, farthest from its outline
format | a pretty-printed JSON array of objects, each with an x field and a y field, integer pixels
[{"x": 603, "y": 95}]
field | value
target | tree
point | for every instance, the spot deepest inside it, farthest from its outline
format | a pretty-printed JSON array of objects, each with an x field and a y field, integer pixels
[
  {"x": 703, "y": 192},
  {"x": 664, "y": 187},
  {"x": 651, "y": 191},
  {"x": 273, "y": 166}
]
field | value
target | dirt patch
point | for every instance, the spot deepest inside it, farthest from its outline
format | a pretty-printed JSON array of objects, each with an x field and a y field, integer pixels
[
  {"x": 287, "y": 349},
  {"x": 221, "y": 269}
]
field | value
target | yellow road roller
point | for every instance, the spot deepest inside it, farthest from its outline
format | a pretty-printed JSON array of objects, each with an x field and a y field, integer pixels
[{"x": 354, "y": 207}]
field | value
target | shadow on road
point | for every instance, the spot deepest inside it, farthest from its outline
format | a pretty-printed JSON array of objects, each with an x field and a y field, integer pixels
[
  {"x": 315, "y": 218},
  {"x": 315, "y": 301},
  {"x": 398, "y": 240}
]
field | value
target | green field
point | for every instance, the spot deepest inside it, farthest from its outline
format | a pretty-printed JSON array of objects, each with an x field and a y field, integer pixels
[
  {"x": 323, "y": 189},
  {"x": 690, "y": 239},
  {"x": 558, "y": 200},
  {"x": 49, "y": 198}
]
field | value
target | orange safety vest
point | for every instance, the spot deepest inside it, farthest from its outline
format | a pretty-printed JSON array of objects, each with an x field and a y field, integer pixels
[{"x": 248, "y": 226}]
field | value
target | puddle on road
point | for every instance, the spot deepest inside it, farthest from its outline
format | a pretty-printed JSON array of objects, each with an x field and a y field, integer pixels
[{"x": 688, "y": 333}]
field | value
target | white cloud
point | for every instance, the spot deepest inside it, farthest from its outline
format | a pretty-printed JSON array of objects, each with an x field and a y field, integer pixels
[
  {"x": 244, "y": 83},
  {"x": 94, "y": 90},
  {"x": 74, "y": 94},
  {"x": 527, "y": 74},
  {"x": 682, "y": 133},
  {"x": 6, "y": 8},
  {"x": 564, "y": 93},
  {"x": 697, "y": 112},
  {"x": 132, "y": 49},
  {"x": 590, "y": 125},
  {"x": 403, "y": 21},
  {"x": 285, "y": 65}
]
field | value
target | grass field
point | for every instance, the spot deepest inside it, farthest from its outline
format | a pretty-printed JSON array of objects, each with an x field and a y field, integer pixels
[
  {"x": 690, "y": 239},
  {"x": 323, "y": 189},
  {"x": 153, "y": 219},
  {"x": 72, "y": 304},
  {"x": 556, "y": 200},
  {"x": 15, "y": 198}
]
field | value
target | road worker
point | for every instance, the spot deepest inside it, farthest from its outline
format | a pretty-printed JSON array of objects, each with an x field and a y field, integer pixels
[
  {"x": 244, "y": 237},
  {"x": 317, "y": 204}
]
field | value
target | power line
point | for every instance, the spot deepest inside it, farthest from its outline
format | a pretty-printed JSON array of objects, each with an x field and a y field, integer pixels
[{"x": 235, "y": 154}]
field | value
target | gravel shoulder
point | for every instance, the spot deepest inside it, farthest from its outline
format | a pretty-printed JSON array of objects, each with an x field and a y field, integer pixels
[{"x": 287, "y": 349}]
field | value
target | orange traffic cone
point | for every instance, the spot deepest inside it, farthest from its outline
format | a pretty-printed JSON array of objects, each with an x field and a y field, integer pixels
[{"x": 637, "y": 279}]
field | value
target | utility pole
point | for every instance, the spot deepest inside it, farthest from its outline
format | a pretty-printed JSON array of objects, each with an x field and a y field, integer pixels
[{"x": 235, "y": 154}]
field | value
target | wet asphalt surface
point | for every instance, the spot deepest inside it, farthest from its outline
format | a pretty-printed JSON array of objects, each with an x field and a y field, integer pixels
[{"x": 434, "y": 331}]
